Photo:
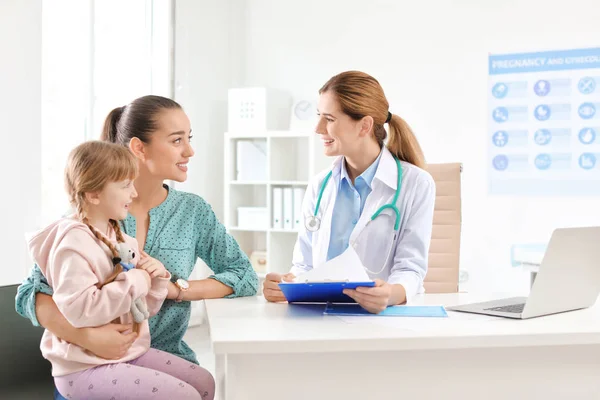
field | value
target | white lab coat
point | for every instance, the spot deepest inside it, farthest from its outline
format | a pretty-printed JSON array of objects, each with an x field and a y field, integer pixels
[{"x": 407, "y": 265}]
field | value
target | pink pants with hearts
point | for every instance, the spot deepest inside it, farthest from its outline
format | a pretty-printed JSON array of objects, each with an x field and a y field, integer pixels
[{"x": 156, "y": 375}]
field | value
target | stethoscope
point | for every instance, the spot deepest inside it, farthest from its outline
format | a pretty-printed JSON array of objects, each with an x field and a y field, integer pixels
[{"x": 313, "y": 222}]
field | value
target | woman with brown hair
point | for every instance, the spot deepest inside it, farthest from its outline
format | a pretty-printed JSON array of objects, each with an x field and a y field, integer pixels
[
  {"x": 377, "y": 200},
  {"x": 79, "y": 257},
  {"x": 172, "y": 227}
]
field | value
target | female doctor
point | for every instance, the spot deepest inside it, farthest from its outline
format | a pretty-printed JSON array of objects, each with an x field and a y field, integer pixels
[{"x": 375, "y": 198}]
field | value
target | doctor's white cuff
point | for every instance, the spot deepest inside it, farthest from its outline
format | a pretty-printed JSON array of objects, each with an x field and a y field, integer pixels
[
  {"x": 411, "y": 282},
  {"x": 298, "y": 270}
]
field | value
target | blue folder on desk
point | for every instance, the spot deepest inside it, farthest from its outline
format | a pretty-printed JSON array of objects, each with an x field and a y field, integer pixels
[
  {"x": 320, "y": 292},
  {"x": 393, "y": 311}
]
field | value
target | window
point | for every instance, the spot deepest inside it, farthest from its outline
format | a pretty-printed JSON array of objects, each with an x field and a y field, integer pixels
[{"x": 96, "y": 55}]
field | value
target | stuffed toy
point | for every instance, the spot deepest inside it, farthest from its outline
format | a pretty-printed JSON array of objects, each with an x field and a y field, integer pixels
[
  {"x": 138, "y": 307},
  {"x": 126, "y": 254}
]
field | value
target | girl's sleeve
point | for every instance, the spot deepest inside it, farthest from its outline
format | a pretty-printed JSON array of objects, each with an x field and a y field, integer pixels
[{"x": 75, "y": 292}]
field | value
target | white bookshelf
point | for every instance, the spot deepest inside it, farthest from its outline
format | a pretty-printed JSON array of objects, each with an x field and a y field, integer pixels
[{"x": 293, "y": 158}]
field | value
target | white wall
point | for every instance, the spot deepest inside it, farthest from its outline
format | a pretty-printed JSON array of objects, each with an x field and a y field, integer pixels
[
  {"x": 432, "y": 56},
  {"x": 20, "y": 116},
  {"x": 429, "y": 56},
  {"x": 208, "y": 60}
]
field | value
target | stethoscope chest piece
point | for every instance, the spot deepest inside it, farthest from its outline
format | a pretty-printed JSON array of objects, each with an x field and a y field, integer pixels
[{"x": 312, "y": 223}]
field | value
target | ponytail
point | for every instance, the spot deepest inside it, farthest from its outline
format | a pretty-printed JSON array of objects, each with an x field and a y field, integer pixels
[
  {"x": 117, "y": 229},
  {"x": 109, "y": 132},
  {"x": 138, "y": 119},
  {"x": 113, "y": 250},
  {"x": 403, "y": 143}
]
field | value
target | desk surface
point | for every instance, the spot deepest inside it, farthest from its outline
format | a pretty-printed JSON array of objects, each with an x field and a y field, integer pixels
[{"x": 253, "y": 325}]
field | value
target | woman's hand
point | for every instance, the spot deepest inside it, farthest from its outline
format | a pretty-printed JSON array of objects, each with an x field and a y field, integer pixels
[
  {"x": 271, "y": 289},
  {"x": 108, "y": 341},
  {"x": 172, "y": 291},
  {"x": 152, "y": 266},
  {"x": 373, "y": 299}
]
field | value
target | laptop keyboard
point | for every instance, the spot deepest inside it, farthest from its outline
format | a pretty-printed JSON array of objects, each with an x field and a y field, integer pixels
[{"x": 512, "y": 308}]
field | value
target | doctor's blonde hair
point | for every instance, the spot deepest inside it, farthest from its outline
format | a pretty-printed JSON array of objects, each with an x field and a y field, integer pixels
[{"x": 361, "y": 95}]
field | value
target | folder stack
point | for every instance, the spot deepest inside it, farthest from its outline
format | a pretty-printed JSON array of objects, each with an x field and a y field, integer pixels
[{"x": 287, "y": 208}]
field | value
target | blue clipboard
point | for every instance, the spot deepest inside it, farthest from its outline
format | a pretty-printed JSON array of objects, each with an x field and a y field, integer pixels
[{"x": 320, "y": 292}]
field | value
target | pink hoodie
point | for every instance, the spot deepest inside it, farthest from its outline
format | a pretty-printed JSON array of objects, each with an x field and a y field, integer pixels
[{"x": 73, "y": 260}]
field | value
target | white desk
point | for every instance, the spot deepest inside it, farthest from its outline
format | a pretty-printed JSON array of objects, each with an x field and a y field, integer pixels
[{"x": 287, "y": 352}]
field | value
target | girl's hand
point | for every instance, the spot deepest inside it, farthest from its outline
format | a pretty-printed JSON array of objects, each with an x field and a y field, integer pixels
[{"x": 152, "y": 266}]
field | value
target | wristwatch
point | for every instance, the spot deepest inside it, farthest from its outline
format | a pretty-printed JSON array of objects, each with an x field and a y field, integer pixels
[{"x": 183, "y": 286}]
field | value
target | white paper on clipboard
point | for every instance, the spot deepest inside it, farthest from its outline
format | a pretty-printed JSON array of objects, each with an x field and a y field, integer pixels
[{"x": 345, "y": 267}]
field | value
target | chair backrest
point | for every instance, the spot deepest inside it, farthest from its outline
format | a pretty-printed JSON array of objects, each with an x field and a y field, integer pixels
[
  {"x": 20, "y": 343},
  {"x": 444, "y": 252}
]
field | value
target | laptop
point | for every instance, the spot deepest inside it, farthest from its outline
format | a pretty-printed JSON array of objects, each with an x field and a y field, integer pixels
[{"x": 568, "y": 279}]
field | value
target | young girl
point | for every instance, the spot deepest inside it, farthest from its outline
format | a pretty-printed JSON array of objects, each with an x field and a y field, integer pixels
[{"x": 78, "y": 256}]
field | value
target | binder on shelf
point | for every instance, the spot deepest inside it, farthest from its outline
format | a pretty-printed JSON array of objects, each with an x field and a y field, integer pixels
[
  {"x": 278, "y": 208},
  {"x": 288, "y": 208},
  {"x": 298, "y": 218}
]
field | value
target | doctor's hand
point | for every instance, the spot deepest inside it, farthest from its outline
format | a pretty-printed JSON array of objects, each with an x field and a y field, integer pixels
[
  {"x": 373, "y": 299},
  {"x": 271, "y": 289}
]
